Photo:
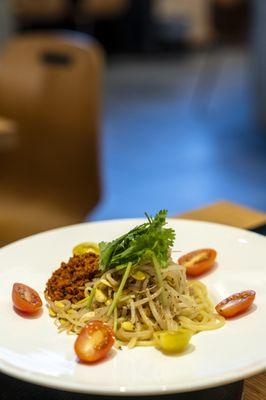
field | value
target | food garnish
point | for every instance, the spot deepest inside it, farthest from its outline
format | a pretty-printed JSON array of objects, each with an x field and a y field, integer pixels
[
  {"x": 236, "y": 304},
  {"x": 198, "y": 261},
  {"x": 26, "y": 299},
  {"x": 86, "y": 247},
  {"x": 143, "y": 243},
  {"x": 149, "y": 242},
  {"x": 94, "y": 341},
  {"x": 172, "y": 341}
]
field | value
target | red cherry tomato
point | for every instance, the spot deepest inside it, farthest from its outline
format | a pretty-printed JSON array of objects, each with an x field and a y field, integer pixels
[
  {"x": 236, "y": 304},
  {"x": 26, "y": 299},
  {"x": 198, "y": 261},
  {"x": 94, "y": 341}
]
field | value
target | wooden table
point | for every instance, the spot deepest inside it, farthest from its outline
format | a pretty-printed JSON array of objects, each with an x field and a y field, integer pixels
[{"x": 232, "y": 214}]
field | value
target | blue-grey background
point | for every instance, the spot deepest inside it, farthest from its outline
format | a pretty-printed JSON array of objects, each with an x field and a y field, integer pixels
[{"x": 180, "y": 133}]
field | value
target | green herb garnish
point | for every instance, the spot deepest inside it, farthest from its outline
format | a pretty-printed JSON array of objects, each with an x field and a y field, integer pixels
[
  {"x": 140, "y": 244},
  {"x": 149, "y": 242}
]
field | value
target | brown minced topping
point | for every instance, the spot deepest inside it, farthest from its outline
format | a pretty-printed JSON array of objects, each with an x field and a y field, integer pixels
[{"x": 68, "y": 281}]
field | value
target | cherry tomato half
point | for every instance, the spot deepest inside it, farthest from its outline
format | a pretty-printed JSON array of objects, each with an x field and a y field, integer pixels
[
  {"x": 94, "y": 341},
  {"x": 26, "y": 299},
  {"x": 198, "y": 261},
  {"x": 236, "y": 304}
]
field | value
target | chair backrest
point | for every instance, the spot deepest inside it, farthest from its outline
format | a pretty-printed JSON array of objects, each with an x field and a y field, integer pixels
[
  {"x": 50, "y": 85},
  {"x": 8, "y": 134}
]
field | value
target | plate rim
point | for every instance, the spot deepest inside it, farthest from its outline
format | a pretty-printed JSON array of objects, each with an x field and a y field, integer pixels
[
  {"x": 120, "y": 391},
  {"x": 104, "y": 221}
]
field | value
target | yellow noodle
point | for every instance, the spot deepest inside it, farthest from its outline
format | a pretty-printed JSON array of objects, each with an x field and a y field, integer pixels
[{"x": 188, "y": 306}]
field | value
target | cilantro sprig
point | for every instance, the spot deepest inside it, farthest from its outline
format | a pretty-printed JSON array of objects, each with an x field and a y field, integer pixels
[
  {"x": 149, "y": 242},
  {"x": 142, "y": 243}
]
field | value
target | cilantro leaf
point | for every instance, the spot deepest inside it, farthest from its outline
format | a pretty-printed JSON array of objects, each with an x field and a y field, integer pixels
[{"x": 142, "y": 243}]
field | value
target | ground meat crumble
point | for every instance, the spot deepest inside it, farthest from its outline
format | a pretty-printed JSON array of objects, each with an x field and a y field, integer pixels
[{"x": 68, "y": 281}]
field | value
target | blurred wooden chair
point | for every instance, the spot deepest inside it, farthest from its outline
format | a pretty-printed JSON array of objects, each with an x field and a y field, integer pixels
[
  {"x": 50, "y": 85},
  {"x": 8, "y": 134},
  {"x": 39, "y": 9}
]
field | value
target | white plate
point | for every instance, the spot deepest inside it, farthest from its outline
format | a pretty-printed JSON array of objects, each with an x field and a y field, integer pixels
[{"x": 32, "y": 350}]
